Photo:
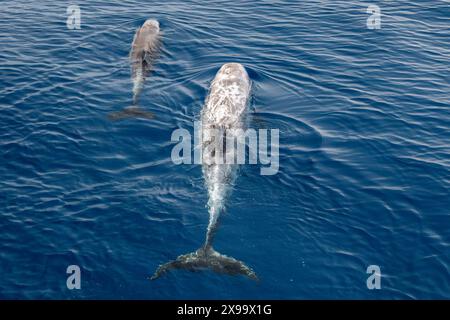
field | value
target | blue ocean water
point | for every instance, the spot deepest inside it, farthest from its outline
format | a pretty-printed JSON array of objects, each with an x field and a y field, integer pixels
[{"x": 364, "y": 150}]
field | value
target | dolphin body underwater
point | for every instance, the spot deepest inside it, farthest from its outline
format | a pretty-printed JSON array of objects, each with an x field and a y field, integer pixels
[
  {"x": 144, "y": 51},
  {"x": 225, "y": 109}
]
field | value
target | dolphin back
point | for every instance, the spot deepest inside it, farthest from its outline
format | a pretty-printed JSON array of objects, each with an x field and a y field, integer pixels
[{"x": 207, "y": 258}]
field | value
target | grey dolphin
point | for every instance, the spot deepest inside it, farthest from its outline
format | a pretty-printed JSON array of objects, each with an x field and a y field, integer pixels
[
  {"x": 226, "y": 108},
  {"x": 144, "y": 51}
]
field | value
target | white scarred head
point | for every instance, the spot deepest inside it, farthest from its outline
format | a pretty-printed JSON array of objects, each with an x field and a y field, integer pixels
[
  {"x": 233, "y": 70},
  {"x": 152, "y": 23}
]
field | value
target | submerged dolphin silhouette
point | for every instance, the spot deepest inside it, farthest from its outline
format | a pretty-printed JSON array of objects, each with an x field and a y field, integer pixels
[
  {"x": 226, "y": 108},
  {"x": 144, "y": 51}
]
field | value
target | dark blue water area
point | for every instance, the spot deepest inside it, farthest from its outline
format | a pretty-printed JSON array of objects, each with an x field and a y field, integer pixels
[{"x": 364, "y": 173}]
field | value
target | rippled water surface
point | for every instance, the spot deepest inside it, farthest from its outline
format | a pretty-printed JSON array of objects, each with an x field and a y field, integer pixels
[{"x": 364, "y": 150}]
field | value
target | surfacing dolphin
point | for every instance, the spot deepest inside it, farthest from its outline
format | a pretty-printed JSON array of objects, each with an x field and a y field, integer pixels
[
  {"x": 144, "y": 51},
  {"x": 225, "y": 109}
]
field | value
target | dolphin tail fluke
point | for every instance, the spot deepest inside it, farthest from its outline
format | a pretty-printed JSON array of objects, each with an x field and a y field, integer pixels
[
  {"x": 207, "y": 258},
  {"x": 130, "y": 112}
]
